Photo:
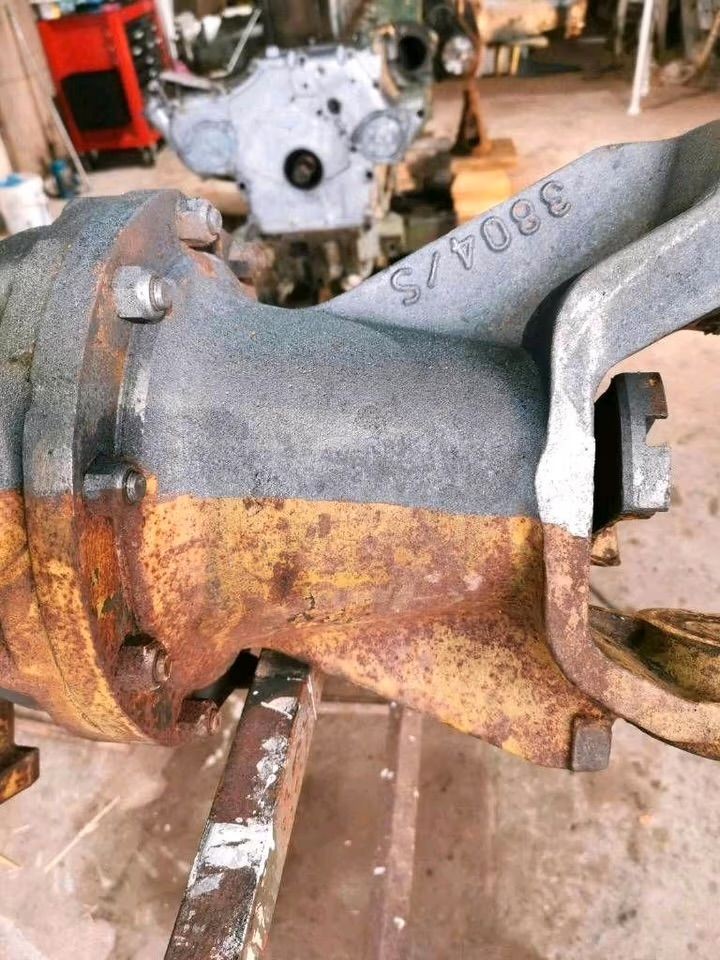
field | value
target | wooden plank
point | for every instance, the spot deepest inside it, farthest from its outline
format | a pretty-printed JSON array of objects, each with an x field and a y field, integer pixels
[
  {"x": 501, "y": 153},
  {"x": 475, "y": 191},
  {"x": 25, "y": 122}
]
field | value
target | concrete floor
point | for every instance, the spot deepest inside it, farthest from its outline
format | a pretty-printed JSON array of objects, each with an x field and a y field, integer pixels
[{"x": 513, "y": 862}]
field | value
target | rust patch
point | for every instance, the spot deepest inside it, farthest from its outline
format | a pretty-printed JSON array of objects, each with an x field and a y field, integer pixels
[
  {"x": 19, "y": 766},
  {"x": 611, "y": 672},
  {"x": 29, "y": 666},
  {"x": 441, "y": 612},
  {"x": 444, "y": 613}
]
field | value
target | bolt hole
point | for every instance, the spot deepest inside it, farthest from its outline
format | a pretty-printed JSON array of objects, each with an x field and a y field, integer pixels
[{"x": 303, "y": 169}]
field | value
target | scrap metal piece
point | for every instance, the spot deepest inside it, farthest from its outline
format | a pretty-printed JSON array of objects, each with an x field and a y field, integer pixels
[
  {"x": 19, "y": 766},
  {"x": 234, "y": 881}
]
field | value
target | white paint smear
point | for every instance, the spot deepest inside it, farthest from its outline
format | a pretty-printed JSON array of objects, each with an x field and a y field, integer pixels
[
  {"x": 283, "y": 705},
  {"x": 230, "y": 846}
]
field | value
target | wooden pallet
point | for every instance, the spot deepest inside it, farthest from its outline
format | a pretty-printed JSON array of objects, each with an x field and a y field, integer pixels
[{"x": 481, "y": 180}]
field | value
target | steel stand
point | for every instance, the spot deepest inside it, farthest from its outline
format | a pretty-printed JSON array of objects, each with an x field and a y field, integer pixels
[{"x": 230, "y": 896}]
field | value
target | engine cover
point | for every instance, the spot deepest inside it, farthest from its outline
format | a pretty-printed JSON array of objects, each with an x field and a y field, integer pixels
[{"x": 302, "y": 134}]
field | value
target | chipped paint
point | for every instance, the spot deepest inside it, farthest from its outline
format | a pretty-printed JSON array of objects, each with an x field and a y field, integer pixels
[
  {"x": 282, "y": 705},
  {"x": 234, "y": 846}
]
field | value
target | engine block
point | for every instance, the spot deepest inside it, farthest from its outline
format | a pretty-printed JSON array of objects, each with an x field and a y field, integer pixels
[{"x": 303, "y": 134}]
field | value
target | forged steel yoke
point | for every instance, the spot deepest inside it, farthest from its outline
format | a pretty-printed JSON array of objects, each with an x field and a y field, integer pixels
[{"x": 397, "y": 486}]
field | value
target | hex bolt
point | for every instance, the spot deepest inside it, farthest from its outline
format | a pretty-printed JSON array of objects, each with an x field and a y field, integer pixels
[
  {"x": 142, "y": 663},
  {"x": 134, "y": 486},
  {"x": 160, "y": 293},
  {"x": 197, "y": 221},
  {"x": 199, "y": 718},
  {"x": 212, "y": 720},
  {"x": 106, "y": 479},
  {"x": 161, "y": 667},
  {"x": 141, "y": 296}
]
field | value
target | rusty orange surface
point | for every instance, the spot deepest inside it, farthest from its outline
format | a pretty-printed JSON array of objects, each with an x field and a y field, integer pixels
[
  {"x": 615, "y": 674},
  {"x": 441, "y": 612},
  {"x": 19, "y": 766}
]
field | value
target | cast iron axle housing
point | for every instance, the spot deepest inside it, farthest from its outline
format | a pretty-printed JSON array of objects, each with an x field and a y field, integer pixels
[{"x": 397, "y": 486}]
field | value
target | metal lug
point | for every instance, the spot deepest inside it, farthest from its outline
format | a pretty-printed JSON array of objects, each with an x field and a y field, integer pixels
[
  {"x": 19, "y": 766},
  {"x": 632, "y": 478},
  {"x": 591, "y": 744}
]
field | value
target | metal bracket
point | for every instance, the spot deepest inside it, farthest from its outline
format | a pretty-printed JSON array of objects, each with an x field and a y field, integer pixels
[
  {"x": 19, "y": 766},
  {"x": 632, "y": 478}
]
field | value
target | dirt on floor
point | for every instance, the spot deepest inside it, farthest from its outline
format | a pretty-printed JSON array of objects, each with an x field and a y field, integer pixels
[{"x": 513, "y": 862}]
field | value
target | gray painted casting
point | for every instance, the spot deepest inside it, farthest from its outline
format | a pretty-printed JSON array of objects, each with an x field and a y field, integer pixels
[{"x": 460, "y": 379}]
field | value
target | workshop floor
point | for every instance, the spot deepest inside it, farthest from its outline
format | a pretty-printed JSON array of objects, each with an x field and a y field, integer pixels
[{"x": 513, "y": 862}]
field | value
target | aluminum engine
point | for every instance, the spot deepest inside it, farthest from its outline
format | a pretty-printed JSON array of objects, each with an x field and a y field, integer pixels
[{"x": 303, "y": 134}]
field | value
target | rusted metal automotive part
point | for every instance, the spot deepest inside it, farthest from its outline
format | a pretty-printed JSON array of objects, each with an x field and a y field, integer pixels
[
  {"x": 397, "y": 486},
  {"x": 19, "y": 766}
]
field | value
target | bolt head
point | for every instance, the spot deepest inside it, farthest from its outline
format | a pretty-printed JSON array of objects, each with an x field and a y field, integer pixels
[
  {"x": 141, "y": 296},
  {"x": 197, "y": 221},
  {"x": 110, "y": 478},
  {"x": 160, "y": 293},
  {"x": 199, "y": 718},
  {"x": 162, "y": 667},
  {"x": 134, "y": 486},
  {"x": 212, "y": 719},
  {"x": 214, "y": 220},
  {"x": 143, "y": 663}
]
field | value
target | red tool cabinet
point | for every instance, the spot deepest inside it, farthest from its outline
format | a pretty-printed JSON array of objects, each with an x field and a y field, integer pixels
[{"x": 101, "y": 62}]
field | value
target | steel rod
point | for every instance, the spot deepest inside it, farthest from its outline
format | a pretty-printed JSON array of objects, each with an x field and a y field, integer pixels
[{"x": 641, "y": 78}]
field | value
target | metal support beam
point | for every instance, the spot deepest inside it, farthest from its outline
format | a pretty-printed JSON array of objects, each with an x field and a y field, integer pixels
[
  {"x": 395, "y": 857},
  {"x": 230, "y": 896}
]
